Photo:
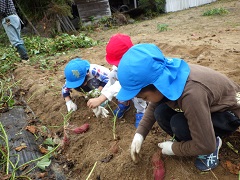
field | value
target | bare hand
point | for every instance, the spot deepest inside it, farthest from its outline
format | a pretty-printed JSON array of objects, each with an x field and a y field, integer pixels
[{"x": 94, "y": 102}]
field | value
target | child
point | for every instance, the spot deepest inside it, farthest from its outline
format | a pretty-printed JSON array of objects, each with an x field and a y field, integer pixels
[
  {"x": 192, "y": 103},
  {"x": 83, "y": 77},
  {"x": 116, "y": 47}
]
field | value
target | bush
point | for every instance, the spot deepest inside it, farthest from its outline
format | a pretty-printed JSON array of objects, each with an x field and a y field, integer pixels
[{"x": 155, "y": 5}]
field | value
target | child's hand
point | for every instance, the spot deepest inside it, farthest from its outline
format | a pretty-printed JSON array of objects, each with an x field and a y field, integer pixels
[
  {"x": 71, "y": 106},
  {"x": 94, "y": 102},
  {"x": 136, "y": 146},
  {"x": 166, "y": 147},
  {"x": 100, "y": 111}
]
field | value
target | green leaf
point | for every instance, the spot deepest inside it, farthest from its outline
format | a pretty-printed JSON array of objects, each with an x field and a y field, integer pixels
[
  {"x": 49, "y": 141},
  {"x": 49, "y": 148},
  {"x": 36, "y": 52},
  {"x": 3, "y": 56},
  {"x": 11, "y": 103},
  {"x": 44, "y": 128},
  {"x": 44, "y": 163}
]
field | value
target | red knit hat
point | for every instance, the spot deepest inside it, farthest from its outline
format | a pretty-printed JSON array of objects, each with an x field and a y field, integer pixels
[{"x": 116, "y": 48}]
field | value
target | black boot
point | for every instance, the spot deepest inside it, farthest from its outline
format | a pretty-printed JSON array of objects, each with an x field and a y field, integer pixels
[{"x": 22, "y": 52}]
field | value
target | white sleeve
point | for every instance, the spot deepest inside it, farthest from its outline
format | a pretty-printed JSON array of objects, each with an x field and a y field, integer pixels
[{"x": 113, "y": 86}]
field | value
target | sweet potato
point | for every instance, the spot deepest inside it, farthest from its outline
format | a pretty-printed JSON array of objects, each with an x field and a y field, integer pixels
[
  {"x": 81, "y": 129},
  {"x": 158, "y": 166},
  {"x": 65, "y": 140}
]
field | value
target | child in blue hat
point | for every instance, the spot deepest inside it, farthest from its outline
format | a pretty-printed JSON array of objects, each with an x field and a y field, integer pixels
[
  {"x": 116, "y": 47},
  {"x": 83, "y": 77},
  {"x": 194, "y": 104}
]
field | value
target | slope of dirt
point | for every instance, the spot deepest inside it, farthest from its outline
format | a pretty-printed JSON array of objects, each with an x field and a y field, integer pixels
[{"x": 209, "y": 41}]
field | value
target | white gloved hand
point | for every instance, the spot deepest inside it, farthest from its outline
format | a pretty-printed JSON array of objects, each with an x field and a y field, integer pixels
[
  {"x": 71, "y": 106},
  {"x": 93, "y": 93},
  {"x": 100, "y": 111},
  {"x": 166, "y": 147},
  {"x": 136, "y": 146},
  {"x": 104, "y": 103}
]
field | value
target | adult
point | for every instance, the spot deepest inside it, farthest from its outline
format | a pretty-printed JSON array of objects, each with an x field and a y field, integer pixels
[{"x": 12, "y": 25}]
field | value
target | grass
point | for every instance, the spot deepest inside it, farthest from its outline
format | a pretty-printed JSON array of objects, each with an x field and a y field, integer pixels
[{"x": 215, "y": 11}]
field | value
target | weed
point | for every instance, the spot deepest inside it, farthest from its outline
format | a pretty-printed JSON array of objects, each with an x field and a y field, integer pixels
[
  {"x": 40, "y": 48},
  {"x": 42, "y": 161},
  {"x": 162, "y": 27},
  {"x": 215, "y": 11},
  {"x": 6, "y": 95}
]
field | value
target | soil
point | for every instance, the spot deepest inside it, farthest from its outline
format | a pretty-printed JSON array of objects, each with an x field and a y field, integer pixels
[{"x": 211, "y": 41}]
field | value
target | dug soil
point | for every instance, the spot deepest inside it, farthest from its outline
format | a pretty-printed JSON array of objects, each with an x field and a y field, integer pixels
[{"x": 212, "y": 41}]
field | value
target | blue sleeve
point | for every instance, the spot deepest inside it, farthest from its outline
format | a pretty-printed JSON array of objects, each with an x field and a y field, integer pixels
[{"x": 65, "y": 91}]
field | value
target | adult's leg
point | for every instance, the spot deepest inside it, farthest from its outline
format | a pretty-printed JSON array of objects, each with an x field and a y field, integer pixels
[{"x": 12, "y": 27}]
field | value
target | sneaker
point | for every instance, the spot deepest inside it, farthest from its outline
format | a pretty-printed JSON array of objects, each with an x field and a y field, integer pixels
[
  {"x": 138, "y": 117},
  {"x": 208, "y": 162},
  {"x": 121, "y": 109}
]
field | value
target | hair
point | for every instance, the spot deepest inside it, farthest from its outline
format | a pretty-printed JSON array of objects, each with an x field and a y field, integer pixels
[
  {"x": 149, "y": 87},
  {"x": 85, "y": 80}
]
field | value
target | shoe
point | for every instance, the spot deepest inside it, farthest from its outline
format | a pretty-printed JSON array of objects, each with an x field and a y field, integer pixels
[
  {"x": 208, "y": 162},
  {"x": 25, "y": 60},
  {"x": 121, "y": 109},
  {"x": 138, "y": 117},
  {"x": 22, "y": 52}
]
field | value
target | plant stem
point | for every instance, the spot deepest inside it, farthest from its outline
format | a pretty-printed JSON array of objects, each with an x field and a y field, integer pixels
[
  {"x": 7, "y": 146},
  {"x": 114, "y": 122},
  {"x": 92, "y": 170},
  {"x": 39, "y": 157}
]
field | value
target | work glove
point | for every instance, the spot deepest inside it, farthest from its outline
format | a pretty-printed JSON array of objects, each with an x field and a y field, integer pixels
[
  {"x": 100, "y": 111},
  {"x": 166, "y": 147},
  {"x": 93, "y": 94},
  {"x": 71, "y": 106},
  {"x": 136, "y": 146},
  {"x": 104, "y": 103}
]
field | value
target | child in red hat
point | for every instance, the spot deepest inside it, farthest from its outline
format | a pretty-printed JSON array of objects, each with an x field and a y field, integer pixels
[{"x": 117, "y": 46}]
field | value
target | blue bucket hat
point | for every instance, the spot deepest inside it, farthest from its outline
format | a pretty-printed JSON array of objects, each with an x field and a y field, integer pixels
[
  {"x": 75, "y": 72},
  {"x": 145, "y": 64}
]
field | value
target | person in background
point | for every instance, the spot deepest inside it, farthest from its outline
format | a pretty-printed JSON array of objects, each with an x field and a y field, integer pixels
[
  {"x": 83, "y": 77},
  {"x": 116, "y": 47},
  {"x": 12, "y": 25},
  {"x": 194, "y": 104}
]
